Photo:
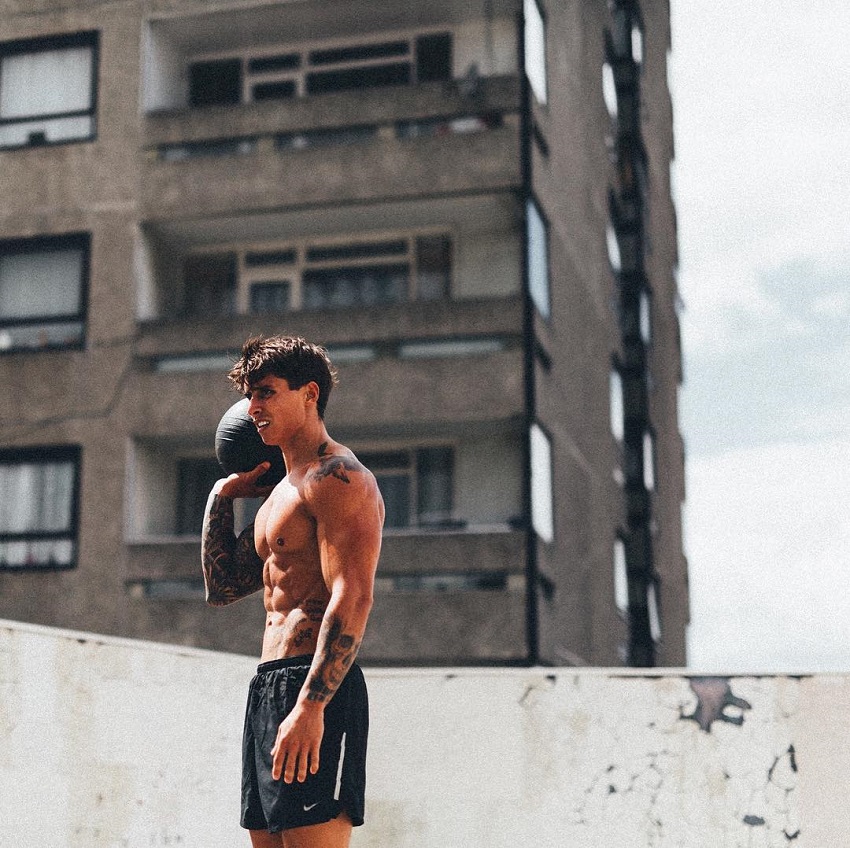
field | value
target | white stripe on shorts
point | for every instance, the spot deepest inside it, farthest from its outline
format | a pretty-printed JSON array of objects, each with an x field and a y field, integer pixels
[{"x": 339, "y": 768}]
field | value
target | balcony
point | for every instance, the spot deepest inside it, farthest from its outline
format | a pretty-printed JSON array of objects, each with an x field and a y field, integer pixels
[
  {"x": 332, "y": 149},
  {"x": 417, "y": 615}
]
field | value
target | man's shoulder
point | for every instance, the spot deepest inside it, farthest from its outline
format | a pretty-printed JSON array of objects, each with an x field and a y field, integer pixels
[
  {"x": 333, "y": 465},
  {"x": 334, "y": 460}
]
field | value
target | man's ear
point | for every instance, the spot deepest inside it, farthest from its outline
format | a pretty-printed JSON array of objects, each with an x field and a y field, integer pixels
[{"x": 312, "y": 393}]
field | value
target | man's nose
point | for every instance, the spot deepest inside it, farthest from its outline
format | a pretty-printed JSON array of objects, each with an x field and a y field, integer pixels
[{"x": 253, "y": 408}]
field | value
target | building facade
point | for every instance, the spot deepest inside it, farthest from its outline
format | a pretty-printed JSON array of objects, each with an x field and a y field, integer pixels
[{"x": 469, "y": 204}]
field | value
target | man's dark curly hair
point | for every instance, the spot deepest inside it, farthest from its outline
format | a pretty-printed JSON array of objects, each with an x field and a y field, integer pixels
[{"x": 294, "y": 359}]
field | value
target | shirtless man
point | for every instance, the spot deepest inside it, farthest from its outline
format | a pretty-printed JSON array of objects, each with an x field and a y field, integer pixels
[{"x": 313, "y": 550}]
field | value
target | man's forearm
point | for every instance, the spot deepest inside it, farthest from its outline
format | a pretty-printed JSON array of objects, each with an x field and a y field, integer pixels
[
  {"x": 231, "y": 566},
  {"x": 339, "y": 641}
]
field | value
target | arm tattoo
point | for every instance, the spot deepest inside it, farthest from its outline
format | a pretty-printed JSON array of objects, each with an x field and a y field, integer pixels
[
  {"x": 334, "y": 466},
  {"x": 338, "y": 650},
  {"x": 232, "y": 568}
]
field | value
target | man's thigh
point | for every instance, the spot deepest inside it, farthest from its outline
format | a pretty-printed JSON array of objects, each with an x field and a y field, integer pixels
[
  {"x": 264, "y": 839},
  {"x": 335, "y": 833}
]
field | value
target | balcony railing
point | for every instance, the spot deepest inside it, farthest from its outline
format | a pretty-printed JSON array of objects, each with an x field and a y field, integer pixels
[{"x": 332, "y": 149}]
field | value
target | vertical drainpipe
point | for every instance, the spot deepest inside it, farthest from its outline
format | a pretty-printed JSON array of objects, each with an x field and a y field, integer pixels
[{"x": 531, "y": 609}]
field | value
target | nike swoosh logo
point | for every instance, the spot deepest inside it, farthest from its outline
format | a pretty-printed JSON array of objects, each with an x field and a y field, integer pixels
[{"x": 308, "y": 807}]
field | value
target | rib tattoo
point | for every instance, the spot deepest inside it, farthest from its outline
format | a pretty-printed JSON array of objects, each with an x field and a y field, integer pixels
[
  {"x": 232, "y": 568},
  {"x": 338, "y": 652}
]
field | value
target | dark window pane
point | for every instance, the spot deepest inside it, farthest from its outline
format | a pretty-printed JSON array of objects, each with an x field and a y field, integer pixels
[
  {"x": 270, "y": 297},
  {"x": 434, "y": 57},
  {"x": 260, "y": 259},
  {"x": 395, "y": 490},
  {"x": 265, "y": 64},
  {"x": 357, "y": 251},
  {"x": 210, "y": 285},
  {"x": 215, "y": 83},
  {"x": 347, "y": 79},
  {"x": 195, "y": 478},
  {"x": 383, "y": 461},
  {"x": 280, "y": 90},
  {"x": 359, "y": 52},
  {"x": 335, "y": 288},
  {"x": 434, "y": 484},
  {"x": 433, "y": 267}
]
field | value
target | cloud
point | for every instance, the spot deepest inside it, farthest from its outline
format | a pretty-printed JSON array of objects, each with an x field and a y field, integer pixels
[
  {"x": 769, "y": 363},
  {"x": 768, "y": 546}
]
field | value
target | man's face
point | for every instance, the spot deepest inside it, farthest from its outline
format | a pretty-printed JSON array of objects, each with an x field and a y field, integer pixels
[{"x": 278, "y": 411}]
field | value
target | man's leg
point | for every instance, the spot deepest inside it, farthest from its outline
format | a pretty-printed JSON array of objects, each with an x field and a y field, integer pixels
[
  {"x": 335, "y": 833},
  {"x": 264, "y": 839}
]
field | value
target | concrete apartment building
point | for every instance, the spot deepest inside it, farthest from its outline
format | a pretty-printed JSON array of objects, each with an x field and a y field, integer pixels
[{"x": 468, "y": 203}]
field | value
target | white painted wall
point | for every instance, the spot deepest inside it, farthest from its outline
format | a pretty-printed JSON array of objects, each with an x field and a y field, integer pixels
[{"x": 108, "y": 742}]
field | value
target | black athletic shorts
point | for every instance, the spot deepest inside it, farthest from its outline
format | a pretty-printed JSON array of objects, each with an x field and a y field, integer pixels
[{"x": 339, "y": 785}]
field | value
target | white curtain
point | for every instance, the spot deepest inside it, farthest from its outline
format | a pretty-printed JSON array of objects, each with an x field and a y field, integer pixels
[
  {"x": 36, "y": 497},
  {"x": 48, "y": 82},
  {"x": 40, "y": 284}
]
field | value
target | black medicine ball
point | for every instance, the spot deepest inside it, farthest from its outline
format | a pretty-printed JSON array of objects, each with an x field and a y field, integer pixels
[{"x": 238, "y": 446}]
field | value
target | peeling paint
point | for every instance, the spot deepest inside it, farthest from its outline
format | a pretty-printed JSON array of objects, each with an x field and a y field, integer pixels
[{"x": 714, "y": 698}]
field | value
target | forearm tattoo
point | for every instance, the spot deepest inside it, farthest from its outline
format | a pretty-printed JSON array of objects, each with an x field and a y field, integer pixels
[
  {"x": 232, "y": 567},
  {"x": 338, "y": 651}
]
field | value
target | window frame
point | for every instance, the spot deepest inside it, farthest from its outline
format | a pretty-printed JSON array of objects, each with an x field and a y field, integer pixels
[
  {"x": 412, "y": 471},
  {"x": 303, "y": 50},
  {"x": 293, "y": 271},
  {"x": 35, "y": 455},
  {"x": 87, "y": 38},
  {"x": 45, "y": 244}
]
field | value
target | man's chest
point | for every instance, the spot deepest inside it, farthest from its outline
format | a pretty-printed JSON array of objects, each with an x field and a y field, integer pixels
[{"x": 283, "y": 524}]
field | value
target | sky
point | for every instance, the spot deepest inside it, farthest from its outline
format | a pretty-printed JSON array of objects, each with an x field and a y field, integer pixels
[{"x": 761, "y": 106}]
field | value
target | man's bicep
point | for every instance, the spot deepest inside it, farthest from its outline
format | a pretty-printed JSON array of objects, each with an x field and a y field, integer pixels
[{"x": 349, "y": 534}]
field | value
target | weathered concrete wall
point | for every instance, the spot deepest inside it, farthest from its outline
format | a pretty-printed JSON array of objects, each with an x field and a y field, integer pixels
[{"x": 109, "y": 742}]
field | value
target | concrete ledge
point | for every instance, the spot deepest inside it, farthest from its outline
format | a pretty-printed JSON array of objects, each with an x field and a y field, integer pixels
[{"x": 109, "y": 741}]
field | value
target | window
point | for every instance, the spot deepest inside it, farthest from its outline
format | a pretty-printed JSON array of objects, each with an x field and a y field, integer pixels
[
  {"x": 39, "y": 507},
  {"x": 195, "y": 478},
  {"x": 653, "y": 612},
  {"x": 286, "y": 74},
  {"x": 542, "y": 509},
  {"x": 615, "y": 386},
  {"x": 210, "y": 285},
  {"x": 318, "y": 275},
  {"x": 48, "y": 90},
  {"x": 613, "y": 249},
  {"x": 621, "y": 577},
  {"x": 645, "y": 317},
  {"x": 42, "y": 292},
  {"x": 535, "y": 48},
  {"x": 538, "y": 258},
  {"x": 649, "y": 461},
  {"x": 416, "y": 484},
  {"x": 170, "y": 481},
  {"x": 609, "y": 90},
  {"x": 626, "y": 36}
]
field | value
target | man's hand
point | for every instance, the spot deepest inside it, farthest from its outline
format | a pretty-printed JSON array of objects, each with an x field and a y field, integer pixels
[
  {"x": 244, "y": 484},
  {"x": 299, "y": 738}
]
